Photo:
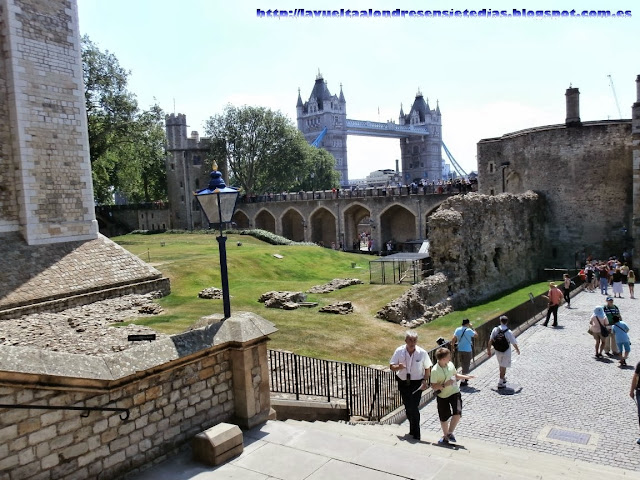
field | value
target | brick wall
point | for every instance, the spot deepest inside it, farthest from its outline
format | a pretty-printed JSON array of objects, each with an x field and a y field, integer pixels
[
  {"x": 43, "y": 102},
  {"x": 585, "y": 175},
  {"x": 8, "y": 201},
  {"x": 174, "y": 388}
]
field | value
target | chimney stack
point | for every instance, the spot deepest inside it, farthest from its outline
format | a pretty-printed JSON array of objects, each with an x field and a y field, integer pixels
[
  {"x": 398, "y": 168},
  {"x": 573, "y": 107}
]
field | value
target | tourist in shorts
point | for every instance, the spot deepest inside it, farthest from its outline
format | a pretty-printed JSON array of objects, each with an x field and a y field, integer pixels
[
  {"x": 504, "y": 358},
  {"x": 631, "y": 281},
  {"x": 621, "y": 331},
  {"x": 444, "y": 381},
  {"x": 597, "y": 321}
]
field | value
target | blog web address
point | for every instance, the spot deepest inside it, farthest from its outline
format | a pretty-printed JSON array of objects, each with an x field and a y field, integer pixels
[{"x": 398, "y": 13}]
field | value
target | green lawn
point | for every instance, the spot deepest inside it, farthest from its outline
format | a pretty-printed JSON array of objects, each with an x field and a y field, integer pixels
[{"x": 191, "y": 261}]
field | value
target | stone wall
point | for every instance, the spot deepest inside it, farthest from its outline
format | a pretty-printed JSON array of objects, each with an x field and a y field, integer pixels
[
  {"x": 8, "y": 202},
  {"x": 43, "y": 103},
  {"x": 173, "y": 389},
  {"x": 487, "y": 244},
  {"x": 585, "y": 174},
  {"x": 31, "y": 274}
]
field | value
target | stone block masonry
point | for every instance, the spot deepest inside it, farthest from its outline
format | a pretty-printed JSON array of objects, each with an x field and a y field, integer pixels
[
  {"x": 174, "y": 389},
  {"x": 47, "y": 191},
  {"x": 487, "y": 244}
]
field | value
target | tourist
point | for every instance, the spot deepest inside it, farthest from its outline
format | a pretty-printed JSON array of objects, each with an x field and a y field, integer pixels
[
  {"x": 444, "y": 381},
  {"x": 635, "y": 392},
  {"x": 554, "y": 297},
  {"x": 613, "y": 315},
  {"x": 631, "y": 280},
  {"x": 504, "y": 357},
  {"x": 621, "y": 332},
  {"x": 566, "y": 288},
  {"x": 597, "y": 322},
  {"x": 617, "y": 283},
  {"x": 604, "y": 278},
  {"x": 412, "y": 366},
  {"x": 588, "y": 271},
  {"x": 463, "y": 341}
]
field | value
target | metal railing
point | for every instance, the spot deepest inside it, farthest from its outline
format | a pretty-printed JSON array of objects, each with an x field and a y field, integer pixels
[{"x": 369, "y": 392}]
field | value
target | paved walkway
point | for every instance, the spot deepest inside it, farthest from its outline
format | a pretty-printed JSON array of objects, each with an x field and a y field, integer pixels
[
  {"x": 563, "y": 392},
  {"x": 563, "y": 387}
]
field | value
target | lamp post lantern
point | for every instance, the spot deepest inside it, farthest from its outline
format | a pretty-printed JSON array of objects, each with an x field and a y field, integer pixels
[{"x": 218, "y": 203}]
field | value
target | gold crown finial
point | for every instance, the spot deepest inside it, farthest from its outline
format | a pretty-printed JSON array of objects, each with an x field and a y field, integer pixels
[{"x": 214, "y": 166}]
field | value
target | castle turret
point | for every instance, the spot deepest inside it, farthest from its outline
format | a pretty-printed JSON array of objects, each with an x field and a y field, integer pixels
[{"x": 176, "y": 128}]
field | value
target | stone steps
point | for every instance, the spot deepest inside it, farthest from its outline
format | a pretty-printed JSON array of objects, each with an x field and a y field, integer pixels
[{"x": 469, "y": 456}]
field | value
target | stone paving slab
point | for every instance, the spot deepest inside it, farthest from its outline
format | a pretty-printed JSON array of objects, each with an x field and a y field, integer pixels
[{"x": 563, "y": 387}]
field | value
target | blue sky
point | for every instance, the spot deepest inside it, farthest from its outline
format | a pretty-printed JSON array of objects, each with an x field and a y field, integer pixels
[{"x": 490, "y": 75}]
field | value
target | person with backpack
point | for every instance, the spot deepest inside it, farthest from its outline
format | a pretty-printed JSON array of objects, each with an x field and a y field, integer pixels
[
  {"x": 502, "y": 339},
  {"x": 463, "y": 341}
]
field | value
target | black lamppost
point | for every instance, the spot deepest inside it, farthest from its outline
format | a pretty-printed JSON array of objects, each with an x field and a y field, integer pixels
[
  {"x": 218, "y": 203},
  {"x": 313, "y": 184}
]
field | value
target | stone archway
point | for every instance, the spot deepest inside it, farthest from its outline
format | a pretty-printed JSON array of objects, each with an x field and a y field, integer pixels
[
  {"x": 353, "y": 217},
  {"x": 293, "y": 225},
  {"x": 265, "y": 221},
  {"x": 240, "y": 219},
  {"x": 397, "y": 224},
  {"x": 323, "y": 227}
]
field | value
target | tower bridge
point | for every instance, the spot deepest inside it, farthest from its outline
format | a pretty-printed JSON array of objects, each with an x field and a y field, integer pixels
[
  {"x": 335, "y": 217},
  {"x": 323, "y": 121}
]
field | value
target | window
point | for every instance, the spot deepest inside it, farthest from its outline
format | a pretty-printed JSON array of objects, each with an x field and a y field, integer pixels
[
  {"x": 197, "y": 160},
  {"x": 491, "y": 167},
  {"x": 197, "y": 183}
]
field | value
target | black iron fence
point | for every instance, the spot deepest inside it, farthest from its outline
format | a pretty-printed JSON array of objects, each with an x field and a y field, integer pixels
[{"x": 369, "y": 392}]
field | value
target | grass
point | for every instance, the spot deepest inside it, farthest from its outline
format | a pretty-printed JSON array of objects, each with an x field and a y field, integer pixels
[{"x": 192, "y": 264}]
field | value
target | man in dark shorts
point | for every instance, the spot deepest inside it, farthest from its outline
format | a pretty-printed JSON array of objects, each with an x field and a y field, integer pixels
[
  {"x": 635, "y": 392},
  {"x": 444, "y": 381}
]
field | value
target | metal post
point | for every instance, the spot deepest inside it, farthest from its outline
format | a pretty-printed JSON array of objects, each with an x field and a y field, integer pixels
[{"x": 222, "y": 242}]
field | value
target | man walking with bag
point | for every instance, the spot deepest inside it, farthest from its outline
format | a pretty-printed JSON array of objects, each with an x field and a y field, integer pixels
[
  {"x": 502, "y": 339},
  {"x": 554, "y": 296}
]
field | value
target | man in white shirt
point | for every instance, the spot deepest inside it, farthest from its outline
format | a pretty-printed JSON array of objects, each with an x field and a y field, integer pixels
[{"x": 412, "y": 366}]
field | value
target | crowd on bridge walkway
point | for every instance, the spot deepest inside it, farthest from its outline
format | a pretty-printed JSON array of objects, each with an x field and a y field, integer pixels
[{"x": 422, "y": 187}]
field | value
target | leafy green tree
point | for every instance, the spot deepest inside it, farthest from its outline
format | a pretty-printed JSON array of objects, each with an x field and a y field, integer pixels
[
  {"x": 263, "y": 152},
  {"x": 126, "y": 144}
]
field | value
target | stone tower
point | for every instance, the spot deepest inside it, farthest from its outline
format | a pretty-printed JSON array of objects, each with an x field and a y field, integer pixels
[
  {"x": 422, "y": 156},
  {"x": 635, "y": 136},
  {"x": 321, "y": 111},
  {"x": 188, "y": 170},
  {"x": 46, "y": 191}
]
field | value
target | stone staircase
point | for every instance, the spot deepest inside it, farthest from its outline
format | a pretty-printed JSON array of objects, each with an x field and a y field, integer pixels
[{"x": 408, "y": 458}]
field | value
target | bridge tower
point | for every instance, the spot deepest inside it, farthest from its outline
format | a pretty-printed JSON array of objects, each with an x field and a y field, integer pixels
[
  {"x": 421, "y": 156},
  {"x": 321, "y": 111}
]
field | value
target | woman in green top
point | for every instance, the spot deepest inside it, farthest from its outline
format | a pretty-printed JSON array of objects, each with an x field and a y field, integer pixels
[{"x": 444, "y": 377}]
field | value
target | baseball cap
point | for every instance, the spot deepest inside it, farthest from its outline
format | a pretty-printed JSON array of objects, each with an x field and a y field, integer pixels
[
  {"x": 609, "y": 299},
  {"x": 599, "y": 312}
]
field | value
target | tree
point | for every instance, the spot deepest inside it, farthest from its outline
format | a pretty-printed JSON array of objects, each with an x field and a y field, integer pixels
[
  {"x": 262, "y": 151},
  {"x": 126, "y": 145}
]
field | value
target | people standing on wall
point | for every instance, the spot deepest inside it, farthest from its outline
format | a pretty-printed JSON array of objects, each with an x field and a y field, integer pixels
[
  {"x": 463, "y": 341},
  {"x": 412, "y": 367},
  {"x": 444, "y": 381},
  {"x": 504, "y": 357},
  {"x": 631, "y": 281},
  {"x": 554, "y": 297},
  {"x": 613, "y": 315},
  {"x": 616, "y": 280}
]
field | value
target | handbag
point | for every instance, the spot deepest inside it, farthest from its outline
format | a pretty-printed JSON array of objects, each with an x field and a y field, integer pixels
[{"x": 603, "y": 330}]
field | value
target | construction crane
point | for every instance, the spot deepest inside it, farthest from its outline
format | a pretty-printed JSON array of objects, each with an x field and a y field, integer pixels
[
  {"x": 455, "y": 164},
  {"x": 615, "y": 97}
]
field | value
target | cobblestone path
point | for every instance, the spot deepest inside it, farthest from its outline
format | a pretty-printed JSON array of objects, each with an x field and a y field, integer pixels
[{"x": 562, "y": 388}]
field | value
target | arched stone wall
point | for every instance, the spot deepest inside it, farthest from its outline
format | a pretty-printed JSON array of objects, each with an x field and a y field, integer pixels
[
  {"x": 293, "y": 225},
  {"x": 241, "y": 219},
  {"x": 323, "y": 227},
  {"x": 397, "y": 223},
  {"x": 265, "y": 221}
]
